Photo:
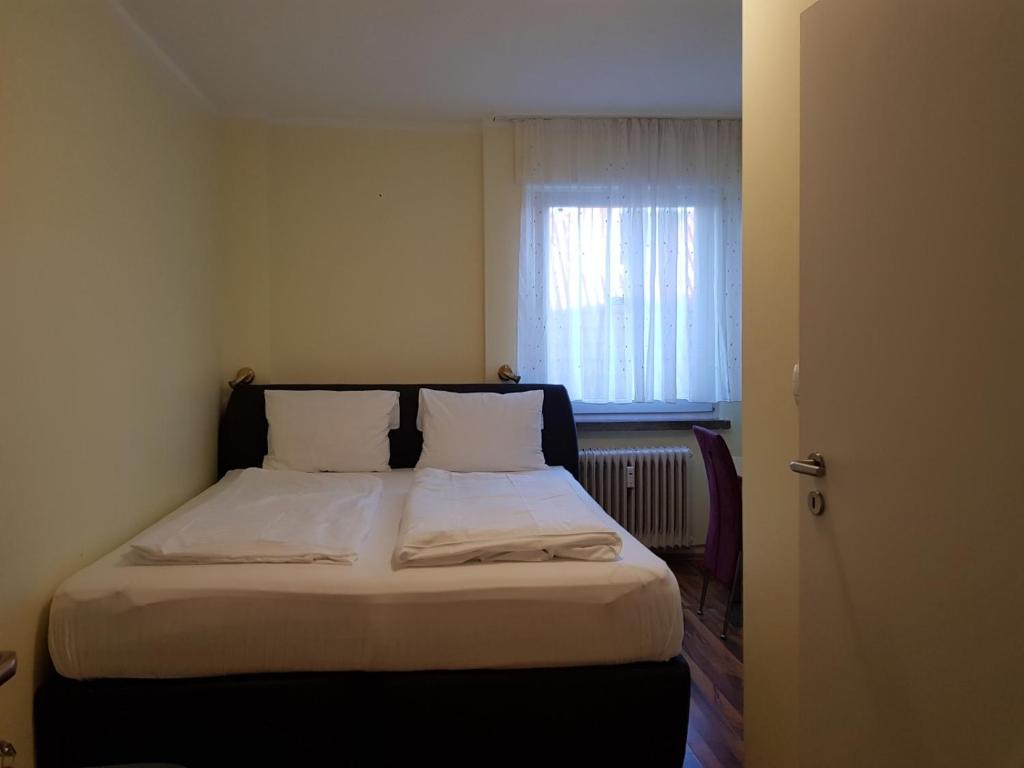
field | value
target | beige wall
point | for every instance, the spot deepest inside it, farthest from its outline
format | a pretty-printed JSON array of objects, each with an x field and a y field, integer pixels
[
  {"x": 355, "y": 252},
  {"x": 771, "y": 111},
  {"x": 244, "y": 190},
  {"x": 107, "y": 312},
  {"x": 502, "y": 207}
]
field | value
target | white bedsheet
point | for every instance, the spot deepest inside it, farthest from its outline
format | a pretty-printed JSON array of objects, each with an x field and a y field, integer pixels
[
  {"x": 456, "y": 517},
  {"x": 266, "y": 516},
  {"x": 115, "y": 619}
]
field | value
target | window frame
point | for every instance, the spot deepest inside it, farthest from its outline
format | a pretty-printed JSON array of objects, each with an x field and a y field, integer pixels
[{"x": 649, "y": 408}]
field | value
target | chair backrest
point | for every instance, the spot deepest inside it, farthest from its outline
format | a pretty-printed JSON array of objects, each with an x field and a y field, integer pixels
[{"x": 725, "y": 521}]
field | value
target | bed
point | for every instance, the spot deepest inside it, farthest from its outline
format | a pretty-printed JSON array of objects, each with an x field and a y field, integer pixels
[{"x": 559, "y": 662}]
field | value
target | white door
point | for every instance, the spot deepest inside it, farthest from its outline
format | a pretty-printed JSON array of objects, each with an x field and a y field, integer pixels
[{"x": 912, "y": 383}]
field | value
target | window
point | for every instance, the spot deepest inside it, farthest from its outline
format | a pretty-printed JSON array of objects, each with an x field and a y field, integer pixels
[
  {"x": 629, "y": 288},
  {"x": 590, "y": 334}
]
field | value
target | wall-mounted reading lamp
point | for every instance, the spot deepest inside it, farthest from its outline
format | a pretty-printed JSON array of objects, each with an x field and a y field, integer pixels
[
  {"x": 244, "y": 376},
  {"x": 505, "y": 373}
]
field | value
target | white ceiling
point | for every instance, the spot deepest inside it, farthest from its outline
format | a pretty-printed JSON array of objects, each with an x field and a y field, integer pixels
[{"x": 328, "y": 60}]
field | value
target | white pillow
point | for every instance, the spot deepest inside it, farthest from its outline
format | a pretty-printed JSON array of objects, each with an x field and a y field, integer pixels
[
  {"x": 323, "y": 431},
  {"x": 481, "y": 431}
]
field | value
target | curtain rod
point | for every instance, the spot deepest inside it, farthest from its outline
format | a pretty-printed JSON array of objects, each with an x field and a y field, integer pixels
[{"x": 494, "y": 118}]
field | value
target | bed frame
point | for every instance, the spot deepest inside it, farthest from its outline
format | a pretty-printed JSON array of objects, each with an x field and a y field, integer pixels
[{"x": 631, "y": 714}]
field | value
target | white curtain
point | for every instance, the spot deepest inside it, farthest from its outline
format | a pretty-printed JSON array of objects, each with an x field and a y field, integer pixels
[{"x": 629, "y": 258}]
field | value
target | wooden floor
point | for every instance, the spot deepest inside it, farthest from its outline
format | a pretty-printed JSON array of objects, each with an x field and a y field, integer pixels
[{"x": 715, "y": 738}]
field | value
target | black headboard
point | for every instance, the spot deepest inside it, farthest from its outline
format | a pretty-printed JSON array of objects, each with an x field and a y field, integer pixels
[{"x": 243, "y": 427}]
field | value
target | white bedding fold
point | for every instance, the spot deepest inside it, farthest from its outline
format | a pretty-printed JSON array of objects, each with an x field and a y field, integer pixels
[
  {"x": 456, "y": 517},
  {"x": 266, "y": 516}
]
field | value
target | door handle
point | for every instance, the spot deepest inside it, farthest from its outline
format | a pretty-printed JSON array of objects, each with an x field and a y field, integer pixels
[
  {"x": 8, "y": 665},
  {"x": 813, "y": 465}
]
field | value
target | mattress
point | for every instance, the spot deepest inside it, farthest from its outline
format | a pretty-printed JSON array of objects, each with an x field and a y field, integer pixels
[{"x": 115, "y": 619}]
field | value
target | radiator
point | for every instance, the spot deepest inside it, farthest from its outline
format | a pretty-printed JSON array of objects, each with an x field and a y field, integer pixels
[{"x": 643, "y": 489}]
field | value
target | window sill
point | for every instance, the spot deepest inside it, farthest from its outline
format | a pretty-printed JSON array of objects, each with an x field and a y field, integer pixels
[{"x": 604, "y": 422}]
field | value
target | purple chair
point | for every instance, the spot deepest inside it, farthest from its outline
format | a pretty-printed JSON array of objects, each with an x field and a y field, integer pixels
[{"x": 724, "y": 545}]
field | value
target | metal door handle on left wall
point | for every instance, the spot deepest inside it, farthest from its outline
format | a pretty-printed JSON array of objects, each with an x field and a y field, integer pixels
[{"x": 8, "y": 665}]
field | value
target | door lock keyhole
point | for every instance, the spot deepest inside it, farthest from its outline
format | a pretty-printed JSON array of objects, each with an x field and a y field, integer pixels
[{"x": 816, "y": 502}]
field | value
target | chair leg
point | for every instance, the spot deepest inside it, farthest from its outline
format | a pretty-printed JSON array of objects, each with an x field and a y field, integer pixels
[
  {"x": 703, "y": 593},
  {"x": 732, "y": 595}
]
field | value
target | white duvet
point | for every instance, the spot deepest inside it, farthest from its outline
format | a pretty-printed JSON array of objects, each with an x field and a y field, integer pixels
[
  {"x": 266, "y": 516},
  {"x": 456, "y": 517}
]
